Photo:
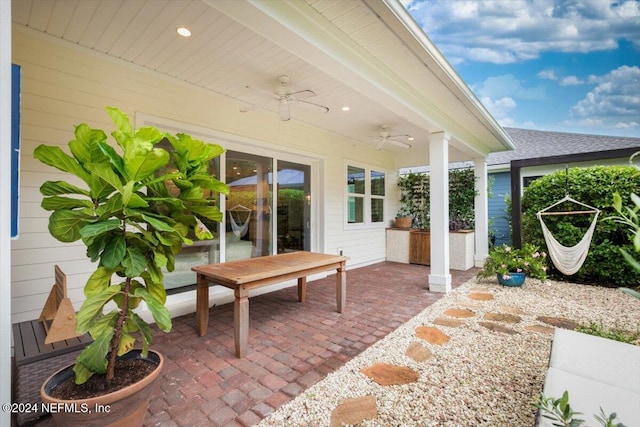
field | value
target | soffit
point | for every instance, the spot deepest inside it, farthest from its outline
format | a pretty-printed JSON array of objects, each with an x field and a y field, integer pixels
[{"x": 342, "y": 50}]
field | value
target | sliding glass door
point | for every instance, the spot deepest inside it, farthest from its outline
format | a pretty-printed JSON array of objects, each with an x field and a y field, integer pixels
[
  {"x": 294, "y": 207},
  {"x": 248, "y": 231}
]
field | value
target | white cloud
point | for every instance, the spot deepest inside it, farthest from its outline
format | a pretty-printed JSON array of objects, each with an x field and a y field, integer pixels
[
  {"x": 548, "y": 75},
  {"x": 507, "y": 85},
  {"x": 614, "y": 103},
  {"x": 500, "y": 109},
  {"x": 509, "y": 31},
  {"x": 570, "y": 81}
]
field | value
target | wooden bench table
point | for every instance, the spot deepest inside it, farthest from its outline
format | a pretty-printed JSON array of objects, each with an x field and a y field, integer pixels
[{"x": 247, "y": 274}]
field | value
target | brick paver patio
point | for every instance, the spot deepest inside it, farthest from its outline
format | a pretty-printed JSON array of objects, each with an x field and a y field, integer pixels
[{"x": 291, "y": 345}]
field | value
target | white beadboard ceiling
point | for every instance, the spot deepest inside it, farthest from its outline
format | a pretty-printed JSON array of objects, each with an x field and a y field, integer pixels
[{"x": 349, "y": 52}]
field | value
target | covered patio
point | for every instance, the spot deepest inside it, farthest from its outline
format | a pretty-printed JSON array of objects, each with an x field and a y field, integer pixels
[
  {"x": 388, "y": 99},
  {"x": 292, "y": 346}
]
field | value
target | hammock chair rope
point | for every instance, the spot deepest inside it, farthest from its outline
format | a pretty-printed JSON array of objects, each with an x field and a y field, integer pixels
[{"x": 568, "y": 259}]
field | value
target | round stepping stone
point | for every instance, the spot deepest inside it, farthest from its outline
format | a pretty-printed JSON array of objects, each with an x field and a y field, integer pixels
[
  {"x": 511, "y": 310},
  {"x": 387, "y": 374},
  {"x": 452, "y": 323},
  {"x": 497, "y": 328},
  {"x": 418, "y": 352},
  {"x": 354, "y": 411},
  {"x": 503, "y": 317},
  {"x": 558, "y": 322},
  {"x": 480, "y": 296},
  {"x": 540, "y": 328},
  {"x": 432, "y": 335},
  {"x": 459, "y": 313}
]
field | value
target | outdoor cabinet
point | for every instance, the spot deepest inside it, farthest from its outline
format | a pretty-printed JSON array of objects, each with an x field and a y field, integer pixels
[{"x": 420, "y": 247}]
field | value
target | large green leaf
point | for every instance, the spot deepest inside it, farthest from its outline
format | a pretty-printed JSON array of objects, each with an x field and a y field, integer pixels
[
  {"x": 55, "y": 188},
  {"x": 121, "y": 121},
  {"x": 134, "y": 262},
  {"x": 54, "y": 156},
  {"x": 157, "y": 224},
  {"x": 160, "y": 313},
  {"x": 92, "y": 307},
  {"x": 81, "y": 373},
  {"x": 85, "y": 146},
  {"x": 94, "y": 356},
  {"x": 65, "y": 225},
  {"x": 104, "y": 323},
  {"x": 210, "y": 212},
  {"x": 55, "y": 203},
  {"x": 114, "y": 252},
  {"x": 114, "y": 158},
  {"x": 145, "y": 332},
  {"x": 140, "y": 162},
  {"x": 104, "y": 171},
  {"x": 192, "y": 194},
  {"x": 100, "y": 227},
  {"x": 156, "y": 288}
]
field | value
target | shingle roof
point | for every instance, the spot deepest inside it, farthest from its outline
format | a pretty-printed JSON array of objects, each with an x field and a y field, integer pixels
[{"x": 531, "y": 144}]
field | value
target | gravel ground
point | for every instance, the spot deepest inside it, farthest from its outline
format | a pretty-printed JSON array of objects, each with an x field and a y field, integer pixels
[{"x": 479, "y": 377}]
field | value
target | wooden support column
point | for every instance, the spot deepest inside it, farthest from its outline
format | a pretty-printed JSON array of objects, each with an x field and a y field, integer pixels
[{"x": 440, "y": 277}]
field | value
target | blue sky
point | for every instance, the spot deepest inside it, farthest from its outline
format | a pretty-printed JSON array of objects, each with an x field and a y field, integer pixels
[{"x": 559, "y": 65}]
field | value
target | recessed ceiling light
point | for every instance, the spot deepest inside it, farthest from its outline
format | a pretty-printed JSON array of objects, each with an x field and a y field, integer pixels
[
  {"x": 183, "y": 31},
  {"x": 410, "y": 138},
  {"x": 346, "y": 108}
]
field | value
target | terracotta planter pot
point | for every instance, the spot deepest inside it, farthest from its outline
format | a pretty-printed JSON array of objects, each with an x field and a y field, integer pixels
[{"x": 123, "y": 408}]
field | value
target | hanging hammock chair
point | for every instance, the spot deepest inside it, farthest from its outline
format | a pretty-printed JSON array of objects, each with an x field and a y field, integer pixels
[
  {"x": 240, "y": 230},
  {"x": 568, "y": 260}
]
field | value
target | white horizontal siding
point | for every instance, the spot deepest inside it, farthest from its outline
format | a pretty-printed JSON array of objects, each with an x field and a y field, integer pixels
[{"x": 63, "y": 87}]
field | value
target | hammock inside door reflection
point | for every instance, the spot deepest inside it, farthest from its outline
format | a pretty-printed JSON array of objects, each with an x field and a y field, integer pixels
[{"x": 240, "y": 226}]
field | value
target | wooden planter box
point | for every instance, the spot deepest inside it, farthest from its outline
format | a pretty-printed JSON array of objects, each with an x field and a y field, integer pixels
[{"x": 414, "y": 247}]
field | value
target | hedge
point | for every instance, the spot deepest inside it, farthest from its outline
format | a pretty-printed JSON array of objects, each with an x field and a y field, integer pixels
[{"x": 594, "y": 186}]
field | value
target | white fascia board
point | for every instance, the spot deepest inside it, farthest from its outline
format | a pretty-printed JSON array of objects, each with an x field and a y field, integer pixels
[
  {"x": 397, "y": 17},
  {"x": 299, "y": 29}
]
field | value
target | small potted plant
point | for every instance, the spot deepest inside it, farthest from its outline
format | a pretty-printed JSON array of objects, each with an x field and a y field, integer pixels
[
  {"x": 119, "y": 205},
  {"x": 511, "y": 266},
  {"x": 403, "y": 217}
]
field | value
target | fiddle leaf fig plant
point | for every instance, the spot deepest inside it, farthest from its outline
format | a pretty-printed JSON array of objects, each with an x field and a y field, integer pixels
[{"x": 133, "y": 208}]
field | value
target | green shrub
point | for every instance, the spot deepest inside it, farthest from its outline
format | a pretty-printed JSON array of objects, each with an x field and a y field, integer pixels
[{"x": 594, "y": 186}]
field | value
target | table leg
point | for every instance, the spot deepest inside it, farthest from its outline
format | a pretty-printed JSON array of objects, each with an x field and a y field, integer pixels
[
  {"x": 241, "y": 321},
  {"x": 202, "y": 305},
  {"x": 341, "y": 287},
  {"x": 302, "y": 289}
]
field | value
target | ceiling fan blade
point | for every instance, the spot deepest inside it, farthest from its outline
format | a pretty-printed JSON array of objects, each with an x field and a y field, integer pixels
[
  {"x": 317, "y": 107},
  {"x": 399, "y": 143},
  {"x": 380, "y": 144},
  {"x": 300, "y": 94},
  {"x": 285, "y": 113}
]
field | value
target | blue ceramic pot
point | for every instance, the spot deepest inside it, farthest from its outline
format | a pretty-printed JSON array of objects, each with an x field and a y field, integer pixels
[{"x": 515, "y": 279}]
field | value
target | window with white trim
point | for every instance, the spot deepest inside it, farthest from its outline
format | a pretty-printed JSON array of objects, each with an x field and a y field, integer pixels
[{"x": 365, "y": 196}]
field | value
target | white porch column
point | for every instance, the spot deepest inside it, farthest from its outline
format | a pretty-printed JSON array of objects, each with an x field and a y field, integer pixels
[
  {"x": 481, "y": 211},
  {"x": 440, "y": 278},
  {"x": 5, "y": 208}
]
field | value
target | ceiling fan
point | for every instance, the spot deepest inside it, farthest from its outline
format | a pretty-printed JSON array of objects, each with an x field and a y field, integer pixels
[
  {"x": 385, "y": 137},
  {"x": 285, "y": 98}
]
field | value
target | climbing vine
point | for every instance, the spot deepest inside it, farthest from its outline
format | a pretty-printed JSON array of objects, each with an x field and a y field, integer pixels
[{"x": 414, "y": 199}]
